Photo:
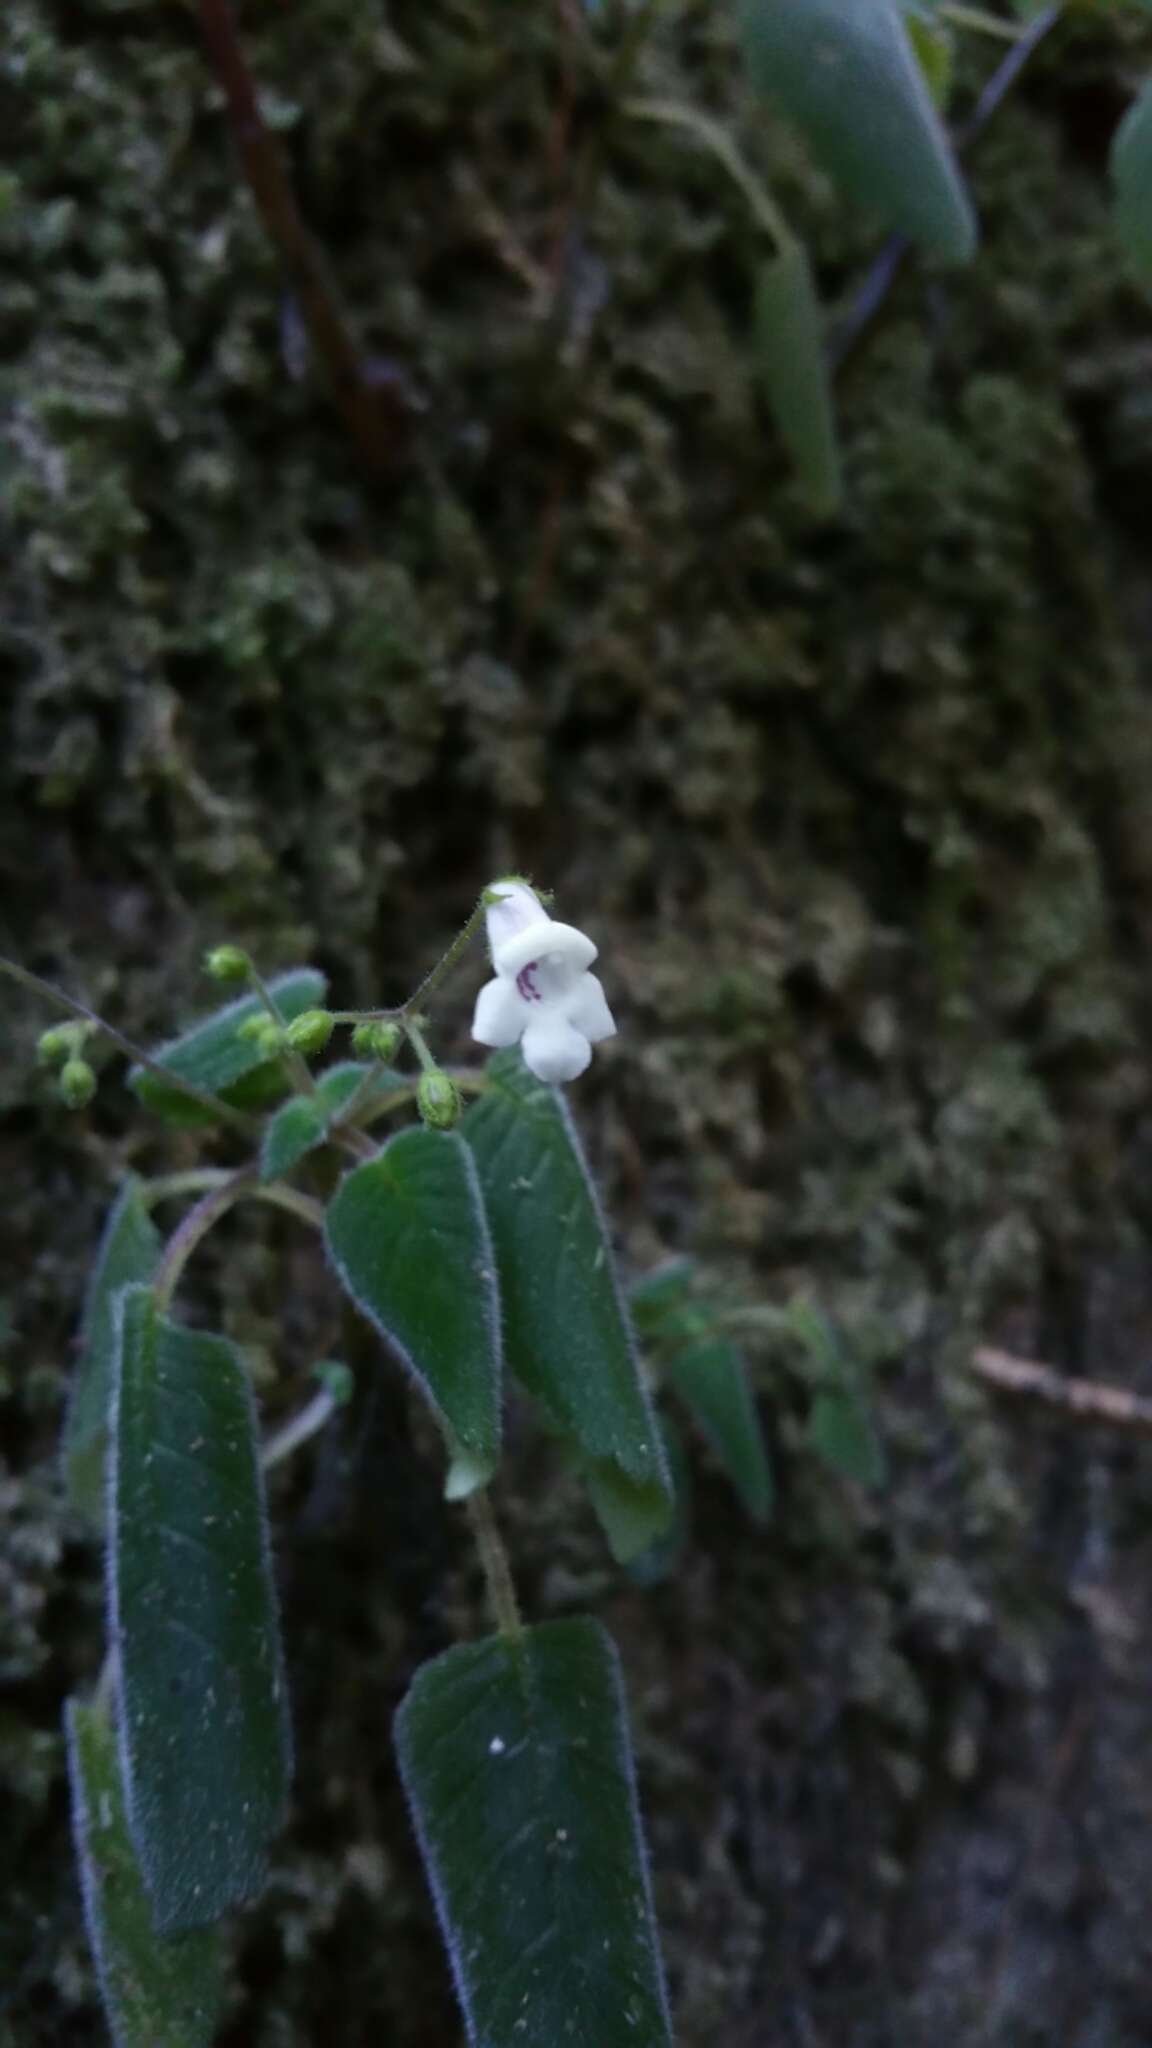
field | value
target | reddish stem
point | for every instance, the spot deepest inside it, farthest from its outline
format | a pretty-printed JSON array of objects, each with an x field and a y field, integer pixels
[{"x": 370, "y": 410}]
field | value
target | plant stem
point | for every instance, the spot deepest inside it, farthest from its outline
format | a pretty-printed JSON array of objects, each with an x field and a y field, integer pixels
[
  {"x": 204, "y": 1179},
  {"x": 717, "y": 140},
  {"x": 494, "y": 1560},
  {"x": 308, "y": 1423},
  {"x": 52, "y": 994},
  {"x": 419, "y": 1044},
  {"x": 981, "y": 23},
  {"x": 195, "y": 1227},
  {"x": 297, "y": 1065}
]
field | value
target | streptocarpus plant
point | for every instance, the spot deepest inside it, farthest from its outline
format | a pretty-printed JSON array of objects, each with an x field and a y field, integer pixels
[{"x": 472, "y": 1240}]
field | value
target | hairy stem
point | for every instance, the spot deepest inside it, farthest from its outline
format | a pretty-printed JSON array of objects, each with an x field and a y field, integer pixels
[
  {"x": 494, "y": 1560},
  {"x": 52, "y": 994}
]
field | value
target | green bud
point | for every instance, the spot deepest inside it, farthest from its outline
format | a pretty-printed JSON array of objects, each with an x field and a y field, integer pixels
[
  {"x": 269, "y": 1038},
  {"x": 379, "y": 1041},
  {"x": 226, "y": 963},
  {"x": 438, "y": 1101},
  {"x": 310, "y": 1031},
  {"x": 77, "y": 1084},
  {"x": 252, "y": 1028},
  {"x": 60, "y": 1042}
]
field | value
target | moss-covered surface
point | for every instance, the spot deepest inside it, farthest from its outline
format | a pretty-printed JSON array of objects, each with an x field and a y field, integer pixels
[{"x": 861, "y": 815}]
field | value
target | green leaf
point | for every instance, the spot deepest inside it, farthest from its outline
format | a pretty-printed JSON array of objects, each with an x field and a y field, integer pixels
[
  {"x": 712, "y": 1381},
  {"x": 1131, "y": 166},
  {"x": 566, "y": 1334},
  {"x": 408, "y": 1236},
  {"x": 661, "y": 1560},
  {"x": 129, "y": 1250},
  {"x": 157, "y": 1992},
  {"x": 212, "y": 1055},
  {"x": 297, "y": 1127},
  {"x": 303, "y": 1122},
  {"x": 840, "y": 1431},
  {"x": 793, "y": 369},
  {"x": 193, "y": 1619},
  {"x": 516, "y": 1760},
  {"x": 659, "y": 1298},
  {"x": 845, "y": 71},
  {"x": 935, "y": 48}
]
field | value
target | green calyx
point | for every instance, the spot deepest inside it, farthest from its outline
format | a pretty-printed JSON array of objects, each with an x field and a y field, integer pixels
[
  {"x": 310, "y": 1032},
  {"x": 77, "y": 1084},
  {"x": 438, "y": 1101},
  {"x": 227, "y": 963},
  {"x": 378, "y": 1040},
  {"x": 60, "y": 1042}
]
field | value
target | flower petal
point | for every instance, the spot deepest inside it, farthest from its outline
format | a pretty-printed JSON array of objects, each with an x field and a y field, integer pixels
[
  {"x": 500, "y": 1014},
  {"x": 515, "y": 906},
  {"x": 545, "y": 939},
  {"x": 553, "y": 1051},
  {"x": 587, "y": 1010}
]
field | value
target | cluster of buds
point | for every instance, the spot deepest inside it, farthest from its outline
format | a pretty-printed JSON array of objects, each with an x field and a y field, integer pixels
[{"x": 61, "y": 1047}]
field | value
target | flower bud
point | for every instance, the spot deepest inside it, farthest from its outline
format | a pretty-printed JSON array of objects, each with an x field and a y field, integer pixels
[
  {"x": 310, "y": 1031},
  {"x": 59, "y": 1042},
  {"x": 252, "y": 1028},
  {"x": 268, "y": 1038},
  {"x": 438, "y": 1101},
  {"x": 226, "y": 963},
  {"x": 77, "y": 1084},
  {"x": 379, "y": 1041}
]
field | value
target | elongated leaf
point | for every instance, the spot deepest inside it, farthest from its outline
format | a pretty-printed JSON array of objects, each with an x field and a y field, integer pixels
[
  {"x": 566, "y": 1334},
  {"x": 517, "y": 1765},
  {"x": 129, "y": 1250},
  {"x": 193, "y": 1618},
  {"x": 791, "y": 361},
  {"x": 841, "y": 1431},
  {"x": 712, "y": 1381},
  {"x": 846, "y": 73},
  {"x": 302, "y": 1123},
  {"x": 408, "y": 1236},
  {"x": 213, "y": 1055},
  {"x": 1131, "y": 167},
  {"x": 158, "y": 1992}
]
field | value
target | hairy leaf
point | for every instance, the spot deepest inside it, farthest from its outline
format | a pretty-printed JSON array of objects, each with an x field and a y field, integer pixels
[
  {"x": 129, "y": 1250},
  {"x": 516, "y": 1760},
  {"x": 303, "y": 1123},
  {"x": 845, "y": 71},
  {"x": 193, "y": 1620},
  {"x": 409, "y": 1238},
  {"x": 158, "y": 1992},
  {"x": 213, "y": 1055},
  {"x": 566, "y": 1333},
  {"x": 712, "y": 1380}
]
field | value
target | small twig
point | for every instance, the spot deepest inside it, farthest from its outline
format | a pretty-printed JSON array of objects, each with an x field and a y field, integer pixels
[
  {"x": 1087, "y": 1400},
  {"x": 370, "y": 418}
]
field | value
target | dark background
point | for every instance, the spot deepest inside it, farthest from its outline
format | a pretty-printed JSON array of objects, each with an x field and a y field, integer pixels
[{"x": 860, "y": 814}]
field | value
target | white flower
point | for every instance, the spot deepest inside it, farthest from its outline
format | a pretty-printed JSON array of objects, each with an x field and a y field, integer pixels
[{"x": 542, "y": 993}]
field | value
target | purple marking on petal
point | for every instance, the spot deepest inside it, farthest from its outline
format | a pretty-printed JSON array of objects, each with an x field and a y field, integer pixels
[{"x": 526, "y": 985}]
